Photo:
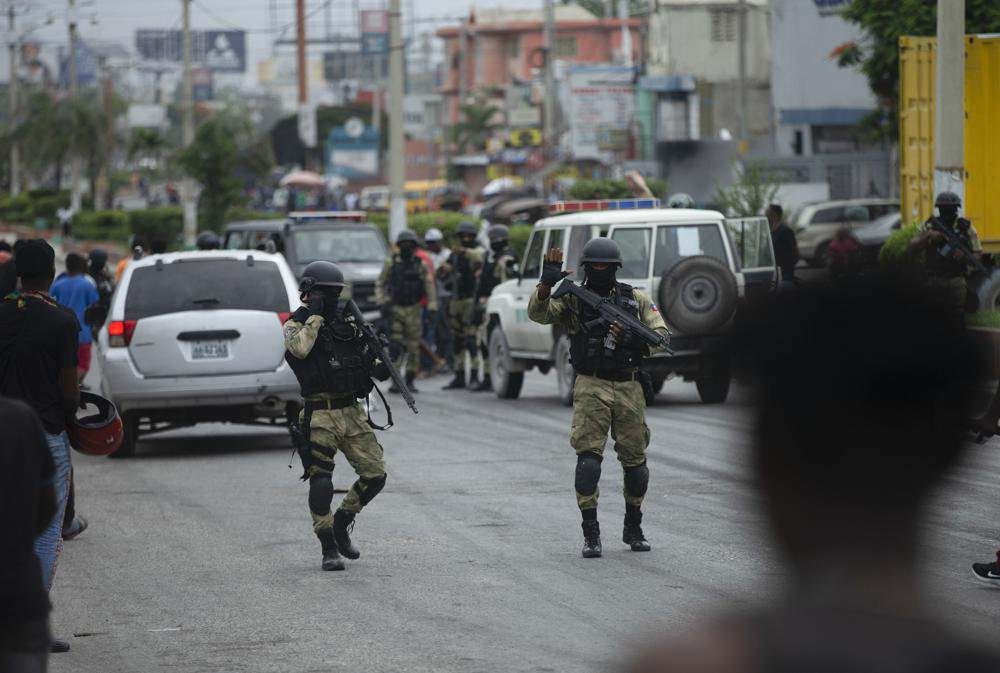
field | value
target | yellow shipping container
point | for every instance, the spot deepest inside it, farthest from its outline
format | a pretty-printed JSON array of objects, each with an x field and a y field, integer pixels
[{"x": 982, "y": 132}]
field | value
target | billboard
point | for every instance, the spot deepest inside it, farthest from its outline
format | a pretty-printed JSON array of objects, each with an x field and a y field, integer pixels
[
  {"x": 374, "y": 32},
  {"x": 352, "y": 150},
  {"x": 86, "y": 64},
  {"x": 217, "y": 50},
  {"x": 601, "y": 109}
]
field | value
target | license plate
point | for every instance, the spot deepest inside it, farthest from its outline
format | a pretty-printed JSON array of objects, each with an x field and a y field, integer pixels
[{"x": 209, "y": 350}]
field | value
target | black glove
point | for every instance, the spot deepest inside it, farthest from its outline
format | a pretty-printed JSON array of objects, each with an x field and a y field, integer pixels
[
  {"x": 625, "y": 337},
  {"x": 315, "y": 303},
  {"x": 552, "y": 273}
]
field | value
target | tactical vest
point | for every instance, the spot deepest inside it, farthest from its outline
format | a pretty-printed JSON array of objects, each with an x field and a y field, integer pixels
[
  {"x": 945, "y": 266},
  {"x": 337, "y": 363},
  {"x": 586, "y": 349},
  {"x": 465, "y": 277},
  {"x": 406, "y": 284}
]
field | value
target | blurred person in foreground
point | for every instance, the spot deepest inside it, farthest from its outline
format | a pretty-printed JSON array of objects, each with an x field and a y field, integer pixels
[
  {"x": 27, "y": 504},
  {"x": 38, "y": 361},
  {"x": 846, "y": 459}
]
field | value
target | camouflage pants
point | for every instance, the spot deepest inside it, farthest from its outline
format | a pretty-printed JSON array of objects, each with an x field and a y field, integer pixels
[
  {"x": 463, "y": 332},
  {"x": 408, "y": 329},
  {"x": 599, "y": 406},
  {"x": 345, "y": 430},
  {"x": 482, "y": 340}
]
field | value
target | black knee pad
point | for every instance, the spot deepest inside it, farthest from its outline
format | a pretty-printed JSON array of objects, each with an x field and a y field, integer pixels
[
  {"x": 588, "y": 472},
  {"x": 637, "y": 480},
  {"x": 368, "y": 488},
  {"x": 320, "y": 493}
]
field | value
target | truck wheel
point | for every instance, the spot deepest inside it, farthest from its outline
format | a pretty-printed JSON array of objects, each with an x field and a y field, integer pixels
[
  {"x": 130, "y": 420},
  {"x": 698, "y": 295},
  {"x": 506, "y": 384},
  {"x": 565, "y": 376},
  {"x": 819, "y": 259},
  {"x": 713, "y": 390}
]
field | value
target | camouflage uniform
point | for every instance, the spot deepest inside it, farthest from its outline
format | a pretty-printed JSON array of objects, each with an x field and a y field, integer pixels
[
  {"x": 501, "y": 268},
  {"x": 600, "y": 405},
  {"x": 460, "y": 310},
  {"x": 345, "y": 429},
  {"x": 951, "y": 275},
  {"x": 407, "y": 325}
]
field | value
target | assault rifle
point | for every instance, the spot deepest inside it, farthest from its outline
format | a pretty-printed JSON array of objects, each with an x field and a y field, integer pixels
[
  {"x": 379, "y": 345},
  {"x": 954, "y": 242},
  {"x": 608, "y": 313}
]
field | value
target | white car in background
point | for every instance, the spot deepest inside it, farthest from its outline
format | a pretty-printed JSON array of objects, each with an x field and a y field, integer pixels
[{"x": 196, "y": 337}]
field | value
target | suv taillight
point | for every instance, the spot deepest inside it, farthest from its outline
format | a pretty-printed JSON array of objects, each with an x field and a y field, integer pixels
[{"x": 120, "y": 332}]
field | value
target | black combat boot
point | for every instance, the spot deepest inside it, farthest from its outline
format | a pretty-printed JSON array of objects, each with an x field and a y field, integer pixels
[
  {"x": 331, "y": 559},
  {"x": 591, "y": 534},
  {"x": 458, "y": 382},
  {"x": 473, "y": 378},
  {"x": 343, "y": 523},
  {"x": 409, "y": 382},
  {"x": 632, "y": 533},
  {"x": 485, "y": 384}
]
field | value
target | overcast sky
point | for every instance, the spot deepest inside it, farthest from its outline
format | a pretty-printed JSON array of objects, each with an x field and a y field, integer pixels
[{"x": 118, "y": 20}]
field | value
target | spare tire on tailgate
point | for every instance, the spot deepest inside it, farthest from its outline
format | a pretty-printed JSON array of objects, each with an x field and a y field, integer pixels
[{"x": 698, "y": 295}]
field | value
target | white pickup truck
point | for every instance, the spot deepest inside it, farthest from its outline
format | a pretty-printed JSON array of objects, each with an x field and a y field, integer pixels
[{"x": 697, "y": 266}]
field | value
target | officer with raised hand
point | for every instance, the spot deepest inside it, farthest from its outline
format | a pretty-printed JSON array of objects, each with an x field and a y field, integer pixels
[
  {"x": 464, "y": 265},
  {"x": 334, "y": 367},
  {"x": 607, "y": 394},
  {"x": 947, "y": 264},
  {"x": 404, "y": 282},
  {"x": 499, "y": 266}
]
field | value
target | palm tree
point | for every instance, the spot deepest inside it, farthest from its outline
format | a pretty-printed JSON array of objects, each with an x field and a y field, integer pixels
[
  {"x": 147, "y": 144},
  {"x": 477, "y": 124}
]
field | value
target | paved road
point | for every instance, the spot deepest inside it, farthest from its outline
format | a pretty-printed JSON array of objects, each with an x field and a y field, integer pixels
[{"x": 200, "y": 555}]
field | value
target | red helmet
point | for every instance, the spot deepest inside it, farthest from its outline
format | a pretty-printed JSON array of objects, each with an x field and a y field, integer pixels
[{"x": 99, "y": 434}]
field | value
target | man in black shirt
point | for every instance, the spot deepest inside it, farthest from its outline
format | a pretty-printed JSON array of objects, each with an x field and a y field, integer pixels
[
  {"x": 27, "y": 505},
  {"x": 786, "y": 249},
  {"x": 38, "y": 342}
]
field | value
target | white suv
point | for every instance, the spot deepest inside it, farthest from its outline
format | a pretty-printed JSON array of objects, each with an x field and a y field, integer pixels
[
  {"x": 695, "y": 264},
  {"x": 197, "y": 336}
]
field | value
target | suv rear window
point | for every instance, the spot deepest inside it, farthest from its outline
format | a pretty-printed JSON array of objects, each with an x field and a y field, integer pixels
[
  {"x": 205, "y": 284},
  {"x": 674, "y": 243}
]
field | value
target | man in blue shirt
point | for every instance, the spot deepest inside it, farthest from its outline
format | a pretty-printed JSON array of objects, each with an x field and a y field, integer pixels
[{"x": 77, "y": 292}]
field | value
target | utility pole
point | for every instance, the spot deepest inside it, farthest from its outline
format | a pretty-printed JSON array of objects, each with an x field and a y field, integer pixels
[
  {"x": 15, "y": 188},
  {"x": 300, "y": 51},
  {"x": 742, "y": 56},
  {"x": 187, "y": 184},
  {"x": 548, "y": 46},
  {"x": 949, "y": 111},
  {"x": 626, "y": 33},
  {"x": 397, "y": 149},
  {"x": 74, "y": 165}
]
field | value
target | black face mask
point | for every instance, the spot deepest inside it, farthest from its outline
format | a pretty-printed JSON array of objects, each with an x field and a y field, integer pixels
[
  {"x": 601, "y": 279},
  {"x": 468, "y": 241},
  {"x": 948, "y": 214},
  {"x": 331, "y": 304},
  {"x": 498, "y": 246},
  {"x": 406, "y": 251}
]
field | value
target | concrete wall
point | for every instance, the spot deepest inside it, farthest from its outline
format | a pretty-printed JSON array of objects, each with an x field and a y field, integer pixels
[
  {"x": 680, "y": 43},
  {"x": 804, "y": 76}
]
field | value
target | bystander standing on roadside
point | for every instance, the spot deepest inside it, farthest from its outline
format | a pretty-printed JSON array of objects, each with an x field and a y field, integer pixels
[
  {"x": 138, "y": 252},
  {"x": 440, "y": 335},
  {"x": 65, "y": 217},
  {"x": 786, "y": 248},
  {"x": 38, "y": 358},
  {"x": 98, "y": 272},
  {"x": 27, "y": 505},
  {"x": 76, "y": 292}
]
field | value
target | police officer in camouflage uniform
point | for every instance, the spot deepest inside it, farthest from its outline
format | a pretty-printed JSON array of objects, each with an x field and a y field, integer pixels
[
  {"x": 403, "y": 283},
  {"x": 946, "y": 265},
  {"x": 464, "y": 265},
  {"x": 607, "y": 393},
  {"x": 334, "y": 368},
  {"x": 499, "y": 266}
]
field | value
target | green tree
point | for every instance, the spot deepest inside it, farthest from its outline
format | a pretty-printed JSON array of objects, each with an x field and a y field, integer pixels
[
  {"x": 753, "y": 189},
  {"x": 147, "y": 144},
  {"x": 476, "y": 124},
  {"x": 211, "y": 159},
  {"x": 877, "y": 54}
]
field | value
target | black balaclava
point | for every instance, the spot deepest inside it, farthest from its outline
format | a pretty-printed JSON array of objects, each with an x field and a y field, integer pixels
[
  {"x": 948, "y": 214},
  {"x": 601, "y": 280},
  {"x": 406, "y": 250},
  {"x": 467, "y": 240},
  {"x": 498, "y": 245},
  {"x": 331, "y": 302}
]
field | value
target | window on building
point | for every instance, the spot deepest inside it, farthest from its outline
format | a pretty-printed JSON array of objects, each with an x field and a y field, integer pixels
[
  {"x": 725, "y": 25},
  {"x": 673, "y": 118},
  {"x": 565, "y": 46},
  {"x": 514, "y": 47}
]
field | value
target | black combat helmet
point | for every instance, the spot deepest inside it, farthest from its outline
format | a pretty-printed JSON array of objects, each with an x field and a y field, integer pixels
[
  {"x": 321, "y": 274},
  {"x": 498, "y": 232},
  {"x": 601, "y": 251},
  {"x": 207, "y": 240},
  {"x": 466, "y": 228},
  {"x": 406, "y": 236},
  {"x": 948, "y": 199}
]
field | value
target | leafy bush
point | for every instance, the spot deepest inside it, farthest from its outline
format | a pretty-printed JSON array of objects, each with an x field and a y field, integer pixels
[
  {"x": 46, "y": 206},
  {"x": 17, "y": 209},
  {"x": 102, "y": 225},
  {"x": 895, "y": 251},
  {"x": 157, "y": 224},
  {"x": 242, "y": 214},
  {"x": 984, "y": 319},
  {"x": 587, "y": 190},
  {"x": 658, "y": 187}
]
